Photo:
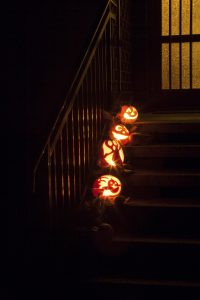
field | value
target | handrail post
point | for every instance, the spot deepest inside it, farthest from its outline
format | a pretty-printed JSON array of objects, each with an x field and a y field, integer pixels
[
  {"x": 119, "y": 45},
  {"x": 110, "y": 50},
  {"x": 49, "y": 175}
]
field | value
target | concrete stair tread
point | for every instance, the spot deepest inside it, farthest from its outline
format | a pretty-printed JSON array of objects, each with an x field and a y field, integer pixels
[
  {"x": 157, "y": 240},
  {"x": 164, "y": 150},
  {"x": 154, "y": 258},
  {"x": 145, "y": 282},
  {"x": 187, "y": 203},
  {"x": 167, "y": 118},
  {"x": 146, "y": 172}
]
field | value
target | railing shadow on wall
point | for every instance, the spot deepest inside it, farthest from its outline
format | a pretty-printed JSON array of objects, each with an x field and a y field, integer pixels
[{"x": 61, "y": 172}]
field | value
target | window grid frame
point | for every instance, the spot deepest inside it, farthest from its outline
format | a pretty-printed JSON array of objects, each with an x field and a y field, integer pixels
[{"x": 169, "y": 39}]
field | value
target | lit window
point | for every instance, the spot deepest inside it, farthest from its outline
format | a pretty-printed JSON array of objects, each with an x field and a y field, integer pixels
[{"x": 180, "y": 44}]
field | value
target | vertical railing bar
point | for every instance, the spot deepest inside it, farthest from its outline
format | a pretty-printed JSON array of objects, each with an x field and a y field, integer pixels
[
  {"x": 79, "y": 151},
  {"x": 95, "y": 93},
  {"x": 102, "y": 74},
  {"x": 119, "y": 42},
  {"x": 84, "y": 142},
  {"x": 99, "y": 86},
  {"x": 62, "y": 169},
  {"x": 180, "y": 44},
  {"x": 87, "y": 119},
  {"x": 73, "y": 154},
  {"x": 49, "y": 175},
  {"x": 92, "y": 112},
  {"x": 86, "y": 130},
  {"x": 102, "y": 78},
  {"x": 170, "y": 69},
  {"x": 191, "y": 6},
  {"x": 105, "y": 47},
  {"x": 110, "y": 54},
  {"x": 68, "y": 164},
  {"x": 55, "y": 175}
]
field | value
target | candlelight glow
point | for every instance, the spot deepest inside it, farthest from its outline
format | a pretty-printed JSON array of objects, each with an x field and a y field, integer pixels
[
  {"x": 107, "y": 187},
  {"x": 111, "y": 154},
  {"x": 120, "y": 133},
  {"x": 128, "y": 114}
]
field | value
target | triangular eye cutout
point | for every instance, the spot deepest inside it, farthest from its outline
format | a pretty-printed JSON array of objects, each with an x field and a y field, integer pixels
[{"x": 128, "y": 110}]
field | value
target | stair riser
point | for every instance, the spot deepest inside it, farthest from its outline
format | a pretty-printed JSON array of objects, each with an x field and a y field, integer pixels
[
  {"x": 159, "y": 163},
  {"x": 163, "y": 157},
  {"x": 183, "y": 128},
  {"x": 123, "y": 290},
  {"x": 156, "y": 221},
  {"x": 162, "y": 180},
  {"x": 163, "y": 139},
  {"x": 163, "y": 151},
  {"x": 182, "y": 133},
  {"x": 147, "y": 192}
]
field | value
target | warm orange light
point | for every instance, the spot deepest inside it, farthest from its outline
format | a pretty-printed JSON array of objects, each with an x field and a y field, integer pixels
[
  {"x": 120, "y": 133},
  {"x": 111, "y": 154},
  {"x": 128, "y": 114},
  {"x": 106, "y": 187}
]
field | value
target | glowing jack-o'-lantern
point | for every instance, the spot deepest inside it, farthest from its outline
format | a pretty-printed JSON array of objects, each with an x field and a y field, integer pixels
[
  {"x": 120, "y": 133},
  {"x": 111, "y": 154},
  {"x": 128, "y": 114},
  {"x": 106, "y": 187}
]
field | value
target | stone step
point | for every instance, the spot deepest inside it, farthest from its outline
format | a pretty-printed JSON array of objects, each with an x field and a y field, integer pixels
[
  {"x": 164, "y": 202},
  {"x": 148, "y": 258},
  {"x": 161, "y": 183},
  {"x": 164, "y": 157},
  {"x": 154, "y": 178},
  {"x": 140, "y": 289},
  {"x": 147, "y": 220},
  {"x": 168, "y": 128},
  {"x": 164, "y": 151}
]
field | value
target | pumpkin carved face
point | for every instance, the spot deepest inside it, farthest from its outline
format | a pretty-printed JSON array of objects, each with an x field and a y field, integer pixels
[
  {"x": 128, "y": 114},
  {"x": 120, "y": 133},
  {"x": 111, "y": 154},
  {"x": 106, "y": 187}
]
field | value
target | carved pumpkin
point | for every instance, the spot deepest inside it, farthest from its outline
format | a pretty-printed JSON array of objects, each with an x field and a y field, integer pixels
[
  {"x": 111, "y": 154},
  {"x": 128, "y": 114},
  {"x": 120, "y": 133},
  {"x": 106, "y": 187}
]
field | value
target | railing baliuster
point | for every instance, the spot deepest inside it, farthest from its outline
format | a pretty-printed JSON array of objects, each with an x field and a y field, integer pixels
[{"x": 72, "y": 144}]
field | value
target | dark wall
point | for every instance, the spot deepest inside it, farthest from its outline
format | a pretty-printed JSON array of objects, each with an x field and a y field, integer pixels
[
  {"x": 140, "y": 50},
  {"x": 46, "y": 44}
]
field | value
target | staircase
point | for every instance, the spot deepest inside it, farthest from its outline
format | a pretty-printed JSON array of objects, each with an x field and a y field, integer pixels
[
  {"x": 152, "y": 248},
  {"x": 155, "y": 248}
]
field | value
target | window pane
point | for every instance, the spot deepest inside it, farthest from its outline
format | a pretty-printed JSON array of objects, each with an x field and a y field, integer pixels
[
  {"x": 196, "y": 17},
  {"x": 175, "y": 8},
  {"x": 165, "y": 66},
  {"x": 185, "y": 65},
  {"x": 185, "y": 18},
  {"x": 175, "y": 69},
  {"x": 165, "y": 17},
  {"x": 196, "y": 65}
]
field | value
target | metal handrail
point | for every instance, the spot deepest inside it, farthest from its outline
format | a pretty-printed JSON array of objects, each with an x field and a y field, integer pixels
[
  {"x": 72, "y": 143},
  {"x": 91, "y": 48}
]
